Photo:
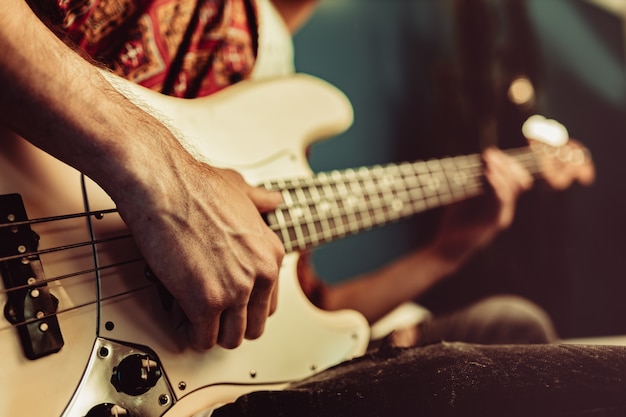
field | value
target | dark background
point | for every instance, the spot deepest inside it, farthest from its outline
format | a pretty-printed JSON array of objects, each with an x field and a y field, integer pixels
[{"x": 426, "y": 77}]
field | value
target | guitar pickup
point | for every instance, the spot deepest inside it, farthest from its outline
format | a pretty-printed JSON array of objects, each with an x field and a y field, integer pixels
[{"x": 30, "y": 306}]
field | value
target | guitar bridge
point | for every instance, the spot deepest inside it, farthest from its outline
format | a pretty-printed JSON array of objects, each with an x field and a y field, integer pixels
[{"x": 30, "y": 306}]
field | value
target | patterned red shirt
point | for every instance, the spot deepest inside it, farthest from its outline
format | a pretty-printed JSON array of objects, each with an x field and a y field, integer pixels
[{"x": 184, "y": 48}]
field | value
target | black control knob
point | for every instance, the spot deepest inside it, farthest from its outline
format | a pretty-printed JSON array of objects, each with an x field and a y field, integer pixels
[
  {"x": 108, "y": 410},
  {"x": 136, "y": 374}
]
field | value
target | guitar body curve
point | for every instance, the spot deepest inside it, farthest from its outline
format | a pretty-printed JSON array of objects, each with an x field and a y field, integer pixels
[{"x": 109, "y": 309}]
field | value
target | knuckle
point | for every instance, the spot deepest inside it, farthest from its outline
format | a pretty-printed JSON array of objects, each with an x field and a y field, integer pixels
[
  {"x": 255, "y": 333},
  {"x": 203, "y": 344},
  {"x": 272, "y": 309},
  {"x": 230, "y": 343},
  {"x": 241, "y": 290}
]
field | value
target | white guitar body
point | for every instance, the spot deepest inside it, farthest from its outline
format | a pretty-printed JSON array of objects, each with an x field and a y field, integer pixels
[{"x": 260, "y": 129}]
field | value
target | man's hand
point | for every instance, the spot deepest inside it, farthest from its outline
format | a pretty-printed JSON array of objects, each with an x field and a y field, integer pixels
[
  {"x": 470, "y": 225},
  {"x": 207, "y": 243}
]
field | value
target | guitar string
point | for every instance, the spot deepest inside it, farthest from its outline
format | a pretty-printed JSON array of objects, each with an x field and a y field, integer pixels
[
  {"x": 97, "y": 214},
  {"x": 64, "y": 247},
  {"x": 78, "y": 306},
  {"x": 64, "y": 277}
]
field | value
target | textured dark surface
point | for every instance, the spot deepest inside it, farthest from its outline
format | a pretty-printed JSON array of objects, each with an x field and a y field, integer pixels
[{"x": 457, "y": 379}]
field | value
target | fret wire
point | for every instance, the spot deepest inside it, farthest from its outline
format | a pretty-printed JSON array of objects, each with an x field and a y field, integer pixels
[
  {"x": 412, "y": 185},
  {"x": 295, "y": 212},
  {"x": 336, "y": 204},
  {"x": 428, "y": 182},
  {"x": 345, "y": 197},
  {"x": 381, "y": 214},
  {"x": 381, "y": 194},
  {"x": 280, "y": 218},
  {"x": 324, "y": 225},
  {"x": 366, "y": 188},
  {"x": 279, "y": 214},
  {"x": 330, "y": 196},
  {"x": 395, "y": 188},
  {"x": 471, "y": 169},
  {"x": 411, "y": 194},
  {"x": 392, "y": 186},
  {"x": 301, "y": 228},
  {"x": 374, "y": 208},
  {"x": 305, "y": 213},
  {"x": 455, "y": 178},
  {"x": 442, "y": 188},
  {"x": 349, "y": 202},
  {"x": 356, "y": 199}
]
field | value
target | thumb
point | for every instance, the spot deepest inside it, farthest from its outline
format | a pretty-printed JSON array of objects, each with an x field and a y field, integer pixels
[{"x": 265, "y": 200}]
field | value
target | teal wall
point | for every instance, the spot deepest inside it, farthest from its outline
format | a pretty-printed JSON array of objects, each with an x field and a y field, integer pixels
[{"x": 392, "y": 57}]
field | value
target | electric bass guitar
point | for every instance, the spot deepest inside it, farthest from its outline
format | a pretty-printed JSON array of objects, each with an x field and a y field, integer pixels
[{"x": 85, "y": 329}]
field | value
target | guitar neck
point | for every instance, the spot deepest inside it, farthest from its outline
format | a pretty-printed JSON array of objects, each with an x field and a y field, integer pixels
[{"x": 333, "y": 205}]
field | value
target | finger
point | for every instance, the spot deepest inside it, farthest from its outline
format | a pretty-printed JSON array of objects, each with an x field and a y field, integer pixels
[
  {"x": 520, "y": 176},
  {"x": 203, "y": 335},
  {"x": 262, "y": 198},
  {"x": 181, "y": 325},
  {"x": 274, "y": 300},
  {"x": 499, "y": 185},
  {"x": 265, "y": 200},
  {"x": 259, "y": 307},
  {"x": 232, "y": 327},
  {"x": 495, "y": 172},
  {"x": 513, "y": 173},
  {"x": 504, "y": 190}
]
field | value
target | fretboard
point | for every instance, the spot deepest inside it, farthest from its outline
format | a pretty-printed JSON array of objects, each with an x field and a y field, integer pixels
[{"x": 336, "y": 204}]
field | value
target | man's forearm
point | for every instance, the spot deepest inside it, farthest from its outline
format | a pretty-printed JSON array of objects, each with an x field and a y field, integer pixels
[
  {"x": 58, "y": 101},
  {"x": 377, "y": 293}
]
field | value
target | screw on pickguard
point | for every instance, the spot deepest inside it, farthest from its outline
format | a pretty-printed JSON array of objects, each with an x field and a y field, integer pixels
[{"x": 30, "y": 306}]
